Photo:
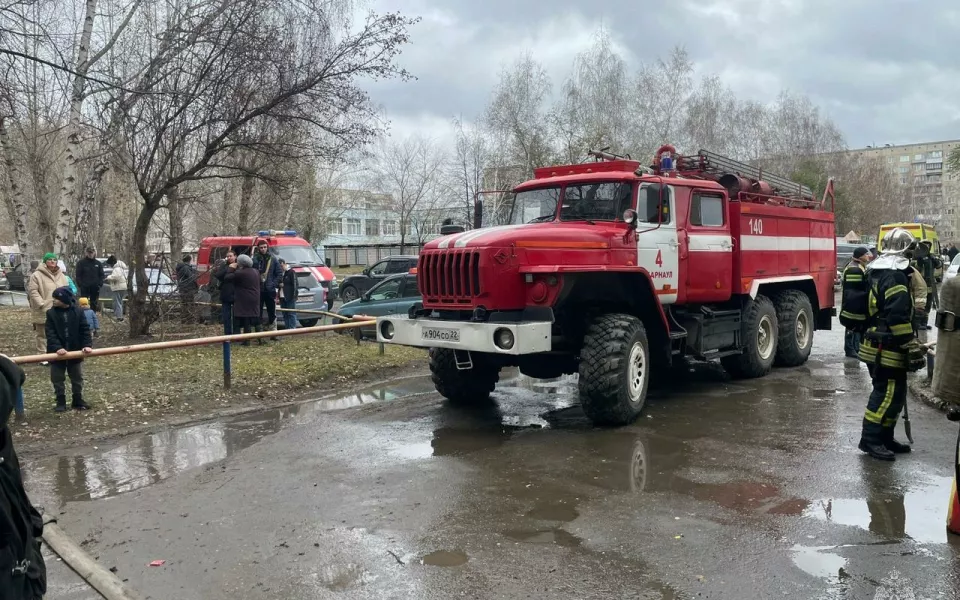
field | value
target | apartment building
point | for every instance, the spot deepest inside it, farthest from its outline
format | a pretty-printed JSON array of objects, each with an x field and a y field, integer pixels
[
  {"x": 367, "y": 219},
  {"x": 932, "y": 192}
]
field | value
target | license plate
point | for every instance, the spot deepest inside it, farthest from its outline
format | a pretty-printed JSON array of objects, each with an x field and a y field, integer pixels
[
  {"x": 305, "y": 299},
  {"x": 439, "y": 334}
]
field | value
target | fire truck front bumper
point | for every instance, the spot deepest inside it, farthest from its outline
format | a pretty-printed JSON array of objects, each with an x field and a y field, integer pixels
[{"x": 521, "y": 337}]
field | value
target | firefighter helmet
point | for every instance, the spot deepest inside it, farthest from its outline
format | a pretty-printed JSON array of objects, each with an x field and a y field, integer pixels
[{"x": 898, "y": 248}]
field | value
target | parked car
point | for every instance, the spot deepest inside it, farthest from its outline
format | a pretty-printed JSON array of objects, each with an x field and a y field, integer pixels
[
  {"x": 354, "y": 286},
  {"x": 312, "y": 296},
  {"x": 16, "y": 278},
  {"x": 394, "y": 295},
  {"x": 4, "y": 282},
  {"x": 953, "y": 269}
]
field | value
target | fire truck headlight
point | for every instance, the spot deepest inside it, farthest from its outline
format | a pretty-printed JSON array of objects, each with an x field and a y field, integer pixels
[
  {"x": 386, "y": 330},
  {"x": 503, "y": 338},
  {"x": 629, "y": 216}
]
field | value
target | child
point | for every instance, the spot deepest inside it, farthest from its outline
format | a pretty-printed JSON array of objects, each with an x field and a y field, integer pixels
[
  {"x": 67, "y": 331},
  {"x": 92, "y": 321}
]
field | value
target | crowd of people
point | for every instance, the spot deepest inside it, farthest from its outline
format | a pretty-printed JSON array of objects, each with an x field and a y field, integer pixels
[{"x": 66, "y": 313}]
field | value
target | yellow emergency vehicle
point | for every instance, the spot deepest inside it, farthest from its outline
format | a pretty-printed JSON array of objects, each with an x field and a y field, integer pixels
[{"x": 921, "y": 232}]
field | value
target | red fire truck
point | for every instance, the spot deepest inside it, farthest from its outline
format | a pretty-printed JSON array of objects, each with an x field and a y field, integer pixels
[{"x": 613, "y": 270}]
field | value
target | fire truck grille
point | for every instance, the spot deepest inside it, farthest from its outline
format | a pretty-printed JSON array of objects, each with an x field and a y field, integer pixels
[{"x": 449, "y": 277}]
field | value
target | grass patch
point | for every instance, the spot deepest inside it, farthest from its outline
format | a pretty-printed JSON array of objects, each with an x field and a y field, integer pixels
[{"x": 146, "y": 388}]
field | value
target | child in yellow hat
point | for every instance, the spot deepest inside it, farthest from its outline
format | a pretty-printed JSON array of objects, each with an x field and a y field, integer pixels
[{"x": 91, "y": 316}]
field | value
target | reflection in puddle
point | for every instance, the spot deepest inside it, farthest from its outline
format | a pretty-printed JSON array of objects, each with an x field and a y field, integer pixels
[
  {"x": 815, "y": 561},
  {"x": 445, "y": 558},
  {"x": 918, "y": 514},
  {"x": 149, "y": 459}
]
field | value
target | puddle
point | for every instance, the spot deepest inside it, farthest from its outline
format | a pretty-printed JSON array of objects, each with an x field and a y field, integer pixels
[
  {"x": 553, "y": 512},
  {"x": 919, "y": 514},
  {"x": 149, "y": 459},
  {"x": 559, "y": 537},
  {"x": 445, "y": 558},
  {"x": 814, "y": 561}
]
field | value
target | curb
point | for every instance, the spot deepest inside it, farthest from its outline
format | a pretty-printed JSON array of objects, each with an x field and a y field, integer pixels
[{"x": 921, "y": 391}]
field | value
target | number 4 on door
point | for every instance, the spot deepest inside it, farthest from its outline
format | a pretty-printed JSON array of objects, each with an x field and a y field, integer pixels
[{"x": 659, "y": 260}]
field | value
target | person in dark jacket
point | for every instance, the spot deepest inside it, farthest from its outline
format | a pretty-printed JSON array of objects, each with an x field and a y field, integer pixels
[
  {"x": 25, "y": 576},
  {"x": 246, "y": 304},
  {"x": 188, "y": 287},
  {"x": 270, "y": 274},
  {"x": 289, "y": 292},
  {"x": 226, "y": 290},
  {"x": 853, "y": 303},
  {"x": 952, "y": 252},
  {"x": 67, "y": 331},
  {"x": 90, "y": 277}
]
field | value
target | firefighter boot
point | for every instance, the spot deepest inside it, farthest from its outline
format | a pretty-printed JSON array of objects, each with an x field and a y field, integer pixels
[
  {"x": 61, "y": 404},
  {"x": 876, "y": 450},
  {"x": 893, "y": 445},
  {"x": 79, "y": 404}
]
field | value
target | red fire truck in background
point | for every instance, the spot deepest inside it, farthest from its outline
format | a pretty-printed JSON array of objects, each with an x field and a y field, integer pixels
[{"x": 612, "y": 270}]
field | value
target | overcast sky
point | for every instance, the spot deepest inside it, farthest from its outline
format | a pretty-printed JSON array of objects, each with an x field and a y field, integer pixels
[{"x": 886, "y": 71}]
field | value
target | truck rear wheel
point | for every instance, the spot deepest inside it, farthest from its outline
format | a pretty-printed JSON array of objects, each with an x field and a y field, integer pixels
[
  {"x": 469, "y": 386},
  {"x": 759, "y": 334},
  {"x": 795, "y": 320},
  {"x": 614, "y": 369}
]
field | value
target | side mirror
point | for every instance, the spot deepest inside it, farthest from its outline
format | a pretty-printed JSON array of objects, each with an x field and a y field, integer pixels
[
  {"x": 630, "y": 217},
  {"x": 365, "y": 297},
  {"x": 366, "y": 271},
  {"x": 478, "y": 214}
]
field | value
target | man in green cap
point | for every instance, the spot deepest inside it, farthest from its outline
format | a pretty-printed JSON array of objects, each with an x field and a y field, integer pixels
[{"x": 48, "y": 277}]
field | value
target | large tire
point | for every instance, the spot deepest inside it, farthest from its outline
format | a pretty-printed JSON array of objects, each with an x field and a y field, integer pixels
[
  {"x": 309, "y": 322},
  {"x": 795, "y": 321},
  {"x": 471, "y": 386},
  {"x": 614, "y": 369},
  {"x": 759, "y": 334}
]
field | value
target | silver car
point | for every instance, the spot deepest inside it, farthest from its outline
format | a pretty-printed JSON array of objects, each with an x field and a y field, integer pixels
[{"x": 312, "y": 297}]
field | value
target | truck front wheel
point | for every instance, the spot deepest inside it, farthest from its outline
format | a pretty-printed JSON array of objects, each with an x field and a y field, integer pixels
[
  {"x": 468, "y": 386},
  {"x": 795, "y": 320},
  {"x": 759, "y": 334},
  {"x": 614, "y": 369}
]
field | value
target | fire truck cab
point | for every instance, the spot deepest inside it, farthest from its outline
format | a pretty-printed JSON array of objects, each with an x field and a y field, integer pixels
[{"x": 614, "y": 270}]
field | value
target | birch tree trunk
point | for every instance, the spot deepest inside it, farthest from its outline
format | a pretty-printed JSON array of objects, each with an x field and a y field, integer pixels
[
  {"x": 16, "y": 207},
  {"x": 68, "y": 187},
  {"x": 246, "y": 199},
  {"x": 175, "y": 211}
]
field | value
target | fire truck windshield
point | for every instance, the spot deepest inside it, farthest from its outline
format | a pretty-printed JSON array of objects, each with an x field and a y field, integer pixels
[
  {"x": 297, "y": 255},
  {"x": 603, "y": 201},
  {"x": 534, "y": 206}
]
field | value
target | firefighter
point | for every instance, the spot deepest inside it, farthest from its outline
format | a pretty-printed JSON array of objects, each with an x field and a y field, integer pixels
[
  {"x": 890, "y": 346},
  {"x": 946, "y": 376},
  {"x": 853, "y": 303}
]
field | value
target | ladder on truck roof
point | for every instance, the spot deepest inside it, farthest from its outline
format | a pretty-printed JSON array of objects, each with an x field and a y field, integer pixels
[{"x": 715, "y": 164}]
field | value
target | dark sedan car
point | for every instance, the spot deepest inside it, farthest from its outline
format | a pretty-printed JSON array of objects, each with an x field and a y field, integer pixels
[
  {"x": 355, "y": 285},
  {"x": 17, "y": 278}
]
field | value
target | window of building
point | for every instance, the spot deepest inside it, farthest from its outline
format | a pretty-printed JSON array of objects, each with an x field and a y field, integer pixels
[
  {"x": 389, "y": 228},
  {"x": 406, "y": 228},
  {"x": 353, "y": 227},
  {"x": 903, "y": 180},
  {"x": 904, "y": 158},
  {"x": 889, "y": 159},
  {"x": 936, "y": 166},
  {"x": 933, "y": 179},
  {"x": 917, "y": 157},
  {"x": 936, "y": 154},
  {"x": 335, "y": 227},
  {"x": 904, "y": 169},
  {"x": 918, "y": 168},
  {"x": 373, "y": 226}
]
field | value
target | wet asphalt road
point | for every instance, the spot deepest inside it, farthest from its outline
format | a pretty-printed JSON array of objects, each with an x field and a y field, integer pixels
[{"x": 722, "y": 489}]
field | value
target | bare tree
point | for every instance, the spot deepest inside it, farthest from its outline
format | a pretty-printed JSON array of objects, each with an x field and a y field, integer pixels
[
  {"x": 407, "y": 171},
  {"x": 254, "y": 60}
]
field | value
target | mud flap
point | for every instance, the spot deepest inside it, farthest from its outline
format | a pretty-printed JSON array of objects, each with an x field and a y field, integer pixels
[{"x": 825, "y": 319}]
